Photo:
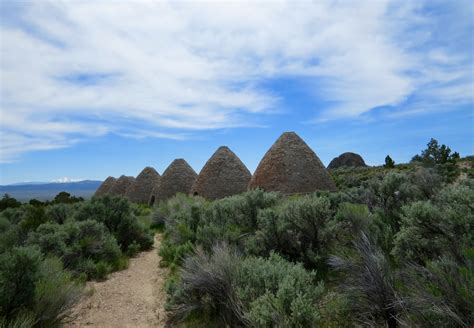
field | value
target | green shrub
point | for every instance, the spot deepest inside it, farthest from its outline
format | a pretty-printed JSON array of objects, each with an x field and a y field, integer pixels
[
  {"x": 350, "y": 220},
  {"x": 433, "y": 228},
  {"x": 441, "y": 293},
  {"x": 172, "y": 254},
  {"x": 51, "y": 238},
  {"x": 177, "y": 203},
  {"x": 386, "y": 196},
  {"x": 458, "y": 198},
  {"x": 252, "y": 292},
  {"x": 212, "y": 232},
  {"x": 81, "y": 245},
  {"x": 272, "y": 234},
  {"x": 120, "y": 263},
  {"x": 335, "y": 310},
  {"x": 33, "y": 217},
  {"x": 102, "y": 269},
  {"x": 33, "y": 290},
  {"x": 427, "y": 181},
  {"x": 13, "y": 215},
  {"x": 24, "y": 319},
  {"x": 241, "y": 209},
  {"x": 59, "y": 213},
  {"x": 193, "y": 220},
  {"x": 229, "y": 219},
  {"x": 90, "y": 240},
  {"x": 418, "y": 239},
  {"x": 207, "y": 287},
  {"x": 8, "y": 202},
  {"x": 130, "y": 231},
  {"x": 305, "y": 220},
  {"x": 301, "y": 229},
  {"x": 181, "y": 226},
  {"x": 87, "y": 269},
  {"x": 133, "y": 249},
  {"x": 18, "y": 275},
  {"x": 412, "y": 271},
  {"x": 369, "y": 282},
  {"x": 116, "y": 214},
  {"x": 86, "y": 234},
  {"x": 157, "y": 220},
  {"x": 9, "y": 235},
  {"x": 55, "y": 293},
  {"x": 140, "y": 209},
  {"x": 277, "y": 293},
  {"x": 167, "y": 212},
  {"x": 245, "y": 207},
  {"x": 354, "y": 177}
]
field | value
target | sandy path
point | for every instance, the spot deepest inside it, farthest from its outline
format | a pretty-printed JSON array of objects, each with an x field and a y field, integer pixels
[{"x": 130, "y": 298}]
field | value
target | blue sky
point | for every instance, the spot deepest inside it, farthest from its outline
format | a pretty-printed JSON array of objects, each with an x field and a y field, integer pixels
[{"x": 97, "y": 88}]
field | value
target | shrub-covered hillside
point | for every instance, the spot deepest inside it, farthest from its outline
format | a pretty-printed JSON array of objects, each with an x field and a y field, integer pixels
[
  {"x": 394, "y": 247},
  {"x": 48, "y": 250}
]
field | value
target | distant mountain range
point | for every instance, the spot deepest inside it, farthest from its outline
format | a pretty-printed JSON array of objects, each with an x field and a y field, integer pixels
[{"x": 47, "y": 190}]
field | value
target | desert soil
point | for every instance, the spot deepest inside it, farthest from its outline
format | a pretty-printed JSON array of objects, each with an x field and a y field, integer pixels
[{"x": 133, "y": 297}]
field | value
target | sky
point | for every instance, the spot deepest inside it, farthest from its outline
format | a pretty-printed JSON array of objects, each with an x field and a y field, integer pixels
[{"x": 90, "y": 89}]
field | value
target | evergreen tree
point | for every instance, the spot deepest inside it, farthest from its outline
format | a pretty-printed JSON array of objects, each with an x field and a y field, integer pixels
[{"x": 389, "y": 162}]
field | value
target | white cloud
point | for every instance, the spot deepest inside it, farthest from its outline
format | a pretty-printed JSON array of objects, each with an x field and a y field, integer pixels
[
  {"x": 13, "y": 144},
  {"x": 85, "y": 69}
]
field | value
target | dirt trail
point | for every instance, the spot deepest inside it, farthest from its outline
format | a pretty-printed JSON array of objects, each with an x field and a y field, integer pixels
[{"x": 133, "y": 297}]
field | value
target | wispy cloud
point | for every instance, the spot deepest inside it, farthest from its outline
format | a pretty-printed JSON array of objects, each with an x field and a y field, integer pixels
[
  {"x": 141, "y": 134},
  {"x": 73, "y": 70}
]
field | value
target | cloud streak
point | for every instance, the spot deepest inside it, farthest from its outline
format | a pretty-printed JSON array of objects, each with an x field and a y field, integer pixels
[{"x": 74, "y": 70}]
